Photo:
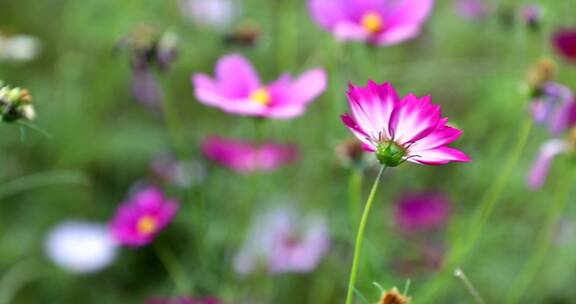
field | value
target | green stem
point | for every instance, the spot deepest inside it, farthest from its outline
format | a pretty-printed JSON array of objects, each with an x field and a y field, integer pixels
[
  {"x": 545, "y": 236},
  {"x": 174, "y": 269},
  {"x": 464, "y": 245},
  {"x": 360, "y": 237},
  {"x": 44, "y": 179}
]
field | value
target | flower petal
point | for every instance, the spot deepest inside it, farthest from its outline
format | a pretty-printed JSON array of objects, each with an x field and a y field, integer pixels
[
  {"x": 413, "y": 119},
  {"x": 541, "y": 165},
  {"x": 308, "y": 86},
  {"x": 235, "y": 76},
  {"x": 439, "y": 156},
  {"x": 410, "y": 12}
]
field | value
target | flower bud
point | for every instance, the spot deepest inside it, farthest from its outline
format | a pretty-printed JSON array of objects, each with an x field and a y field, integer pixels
[
  {"x": 15, "y": 104},
  {"x": 393, "y": 296},
  {"x": 390, "y": 154}
]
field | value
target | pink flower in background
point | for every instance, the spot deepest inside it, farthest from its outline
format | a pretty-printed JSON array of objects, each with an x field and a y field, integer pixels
[
  {"x": 471, "y": 9},
  {"x": 379, "y": 22},
  {"x": 184, "y": 300},
  {"x": 400, "y": 129},
  {"x": 548, "y": 151},
  {"x": 237, "y": 89},
  {"x": 141, "y": 218},
  {"x": 245, "y": 158},
  {"x": 420, "y": 212},
  {"x": 282, "y": 241},
  {"x": 564, "y": 41},
  {"x": 531, "y": 14},
  {"x": 555, "y": 107}
]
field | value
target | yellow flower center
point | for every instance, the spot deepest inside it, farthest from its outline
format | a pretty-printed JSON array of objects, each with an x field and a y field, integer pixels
[
  {"x": 372, "y": 22},
  {"x": 261, "y": 96},
  {"x": 146, "y": 225}
]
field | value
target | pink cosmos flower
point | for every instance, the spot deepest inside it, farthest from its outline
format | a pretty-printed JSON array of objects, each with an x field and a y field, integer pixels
[
  {"x": 280, "y": 241},
  {"x": 245, "y": 158},
  {"x": 141, "y": 218},
  {"x": 184, "y": 300},
  {"x": 237, "y": 89},
  {"x": 379, "y": 22},
  {"x": 419, "y": 212},
  {"x": 564, "y": 41},
  {"x": 555, "y": 107},
  {"x": 400, "y": 129},
  {"x": 548, "y": 151}
]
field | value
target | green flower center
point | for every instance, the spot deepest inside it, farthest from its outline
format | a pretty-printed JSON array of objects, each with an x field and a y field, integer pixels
[{"x": 390, "y": 154}]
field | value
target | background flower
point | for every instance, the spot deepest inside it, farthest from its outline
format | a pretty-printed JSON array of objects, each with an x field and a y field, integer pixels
[
  {"x": 142, "y": 217},
  {"x": 80, "y": 246},
  {"x": 246, "y": 158},
  {"x": 237, "y": 89},
  {"x": 377, "y": 22}
]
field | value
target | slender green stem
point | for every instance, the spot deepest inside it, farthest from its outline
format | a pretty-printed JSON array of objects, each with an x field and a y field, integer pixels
[
  {"x": 174, "y": 269},
  {"x": 466, "y": 243},
  {"x": 459, "y": 273},
  {"x": 360, "y": 237},
  {"x": 534, "y": 263}
]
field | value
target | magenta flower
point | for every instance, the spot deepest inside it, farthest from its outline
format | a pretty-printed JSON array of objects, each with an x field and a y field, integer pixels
[
  {"x": 420, "y": 212},
  {"x": 184, "y": 300},
  {"x": 140, "y": 219},
  {"x": 400, "y": 129},
  {"x": 281, "y": 241},
  {"x": 245, "y": 158},
  {"x": 565, "y": 43},
  {"x": 555, "y": 107},
  {"x": 548, "y": 151},
  {"x": 237, "y": 89},
  {"x": 379, "y": 22}
]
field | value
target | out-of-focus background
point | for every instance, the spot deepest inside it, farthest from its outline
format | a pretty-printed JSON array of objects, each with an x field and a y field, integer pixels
[{"x": 93, "y": 143}]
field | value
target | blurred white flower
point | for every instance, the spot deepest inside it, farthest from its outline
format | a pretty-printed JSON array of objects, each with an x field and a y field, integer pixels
[
  {"x": 219, "y": 14},
  {"x": 80, "y": 246},
  {"x": 19, "y": 47}
]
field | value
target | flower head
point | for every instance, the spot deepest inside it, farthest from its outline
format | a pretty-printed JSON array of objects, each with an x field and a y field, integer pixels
[
  {"x": 400, "y": 129},
  {"x": 564, "y": 41},
  {"x": 554, "y": 106},
  {"x": 245, "y": 158},
  {"x": 15, "y": 104},
  {"x": 422, "y": 212},
  {"x": 281, "y": 242},
  {"x": 531, "y": 15},
  {"x": 18, "y": 47},
  {"x": 393, "y": 296},
  {"x": 80, "y": 246},
  {"x": 379, "y": 22},
  {"x": 218, "y": 14},
  {"x": 141, "y": 218},
  {"x": 237, "y": 89}
]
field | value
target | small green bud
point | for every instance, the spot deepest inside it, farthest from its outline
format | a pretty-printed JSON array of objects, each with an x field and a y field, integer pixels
[
  {"x": 390, "y": 154},
  {"x": 15, "y": 104}
]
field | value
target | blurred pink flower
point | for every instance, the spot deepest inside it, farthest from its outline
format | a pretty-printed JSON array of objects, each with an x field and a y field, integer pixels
[
  {"x": 548, "y": 151},
  {"x": 420, "y": 212},
  {"x": 471, "y": 9},
  {"x": 379, "y": 22},
  {"x": 141, "y": 218},
  {"x": 531, "y": 15},
  {"x": 245, "y": 158},
  {"x": 564, "y": 40},
  {"x": 237, "y": 89},
  {"x": 183, "y": 300},
  {"x": 282, "y": 241},
  {"x": 555, "y": 107},
  {"x": 400, "y": 129}
]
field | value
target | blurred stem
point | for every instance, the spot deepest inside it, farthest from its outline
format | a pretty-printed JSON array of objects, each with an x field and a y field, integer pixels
[
  {"x": 173, "y": 124},
  {"x": 487, "y": 205},
  {"x": 534, "y": 263},
  {"x": 29, "y": 182},
  {"x": 360, "y": 237},
  {"x": 354, "y": 194},
  {"x": 17, "y": 277},
  {"x": 174, "y": 269}
]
